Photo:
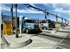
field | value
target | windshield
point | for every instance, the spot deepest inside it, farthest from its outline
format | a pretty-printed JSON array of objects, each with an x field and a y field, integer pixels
[
  {"x": 44, "y": 21},
  {"x": 30, "y": 21}
]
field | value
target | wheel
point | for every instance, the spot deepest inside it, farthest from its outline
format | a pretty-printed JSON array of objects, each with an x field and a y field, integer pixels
[
  {"x": 45, "y": 28},
  {"x": 27, "y": 31}
]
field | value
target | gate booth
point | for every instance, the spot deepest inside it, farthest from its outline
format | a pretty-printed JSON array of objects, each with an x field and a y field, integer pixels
[
  {"x": 6, "y": 25},
  {"x": 7, "y": 28}
]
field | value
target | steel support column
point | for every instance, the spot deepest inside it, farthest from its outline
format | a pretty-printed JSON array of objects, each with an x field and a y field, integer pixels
[
  {"x": 16, "y": 22},
  {"x": 65, "y": 21},
  {"x": 56, "y": 18},
  {"x": 2, "y": 16},
  {"x": 46, "y": 18},
  {"x": 11, "y": 7},
  {"x": 62, "y": 20}
]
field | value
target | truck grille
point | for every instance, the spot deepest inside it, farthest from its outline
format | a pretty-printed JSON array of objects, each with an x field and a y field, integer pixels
[{"x": 36, "y": 26}]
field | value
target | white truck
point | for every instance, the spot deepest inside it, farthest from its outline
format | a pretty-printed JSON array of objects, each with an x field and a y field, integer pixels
[{"x": 44, "y": 24}]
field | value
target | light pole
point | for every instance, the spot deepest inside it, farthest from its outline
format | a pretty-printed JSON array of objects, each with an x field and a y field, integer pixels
[
  {"x": 46, "y": 18},
  {"x": 2, "y": 17},
  {"x": 65, "y": 21},
  {"x": 56, "y": 18},
  {"x": 16, "y": 22},
  {"x": 2, "y": 20},
  {"x": 62, "y": 20},
  {"x": 11, "y": 8}
]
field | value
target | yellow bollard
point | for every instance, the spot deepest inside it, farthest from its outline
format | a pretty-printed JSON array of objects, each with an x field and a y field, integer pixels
[
  {"x": 20, "y": 29},
  {"x": 40, "y": 27}
]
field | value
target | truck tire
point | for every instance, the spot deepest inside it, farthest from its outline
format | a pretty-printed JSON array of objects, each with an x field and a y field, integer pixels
[{"x": 27, "y": 31}]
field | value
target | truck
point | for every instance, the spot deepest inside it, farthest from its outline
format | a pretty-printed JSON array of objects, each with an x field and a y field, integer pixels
[
  {"x": 44, "y": 24},
  {"x": 29, "y": 25},
  {"x": 47, "y": 25}
]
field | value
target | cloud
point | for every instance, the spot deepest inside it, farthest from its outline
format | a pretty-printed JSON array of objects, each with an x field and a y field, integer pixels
[
  {"x": 47, "y": 5},
  {"x": 58, "y": 7},
  {"x": 28, "y": 11},
  {"x": 32, "y": 4},
  {"x": 6, "y": 8},
  {"x": 61, "y": 8}
]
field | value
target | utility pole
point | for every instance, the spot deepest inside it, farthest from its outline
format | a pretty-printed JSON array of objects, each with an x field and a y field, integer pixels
[
  {"x": 16, "y": 22},
  {"x": 62, "y": 20},
  {"x": 46, "y": 18},
  {"x": 56, "y": 18},
  {"x": 11, "y": 7},
  {"x": 68, "y": 22},
  {"x": 2, "y": 20},
  {"x": 65, "y": 21},
  {"x": 2, "y": 16}
]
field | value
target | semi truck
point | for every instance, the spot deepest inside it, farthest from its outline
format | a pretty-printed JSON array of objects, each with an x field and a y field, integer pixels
[
  {"x": 29, "y": 25},
  {"x": 44, "y": 24},
  {"x": 47, "y": 25}
]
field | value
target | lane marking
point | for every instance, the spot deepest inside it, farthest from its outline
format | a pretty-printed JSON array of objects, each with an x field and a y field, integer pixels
[{"x": 60, "y": 42}]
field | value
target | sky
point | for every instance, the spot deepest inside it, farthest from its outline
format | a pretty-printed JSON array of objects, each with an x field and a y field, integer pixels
[{"x": 61, "y": 9}]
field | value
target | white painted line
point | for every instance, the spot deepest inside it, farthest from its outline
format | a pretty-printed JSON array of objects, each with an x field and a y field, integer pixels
[
  {"x": 62, "y": 47},
  {"x": 59, "y": 42}
]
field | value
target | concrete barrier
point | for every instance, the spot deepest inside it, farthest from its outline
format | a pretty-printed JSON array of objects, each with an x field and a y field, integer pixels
[
  {"x": 53, "y": 32},
  {"x": 20, "y": 44},
  {"x": 17, "y": 42}
]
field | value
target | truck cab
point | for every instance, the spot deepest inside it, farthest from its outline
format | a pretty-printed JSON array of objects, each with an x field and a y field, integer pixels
[
  {"x": 44, "y": 24},
  {"x": 29, "y": 25},
  {"x": 47, "y": 25}
]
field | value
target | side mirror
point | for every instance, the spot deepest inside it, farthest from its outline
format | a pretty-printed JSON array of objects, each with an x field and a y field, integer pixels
[{"x": 23, "y": 17}]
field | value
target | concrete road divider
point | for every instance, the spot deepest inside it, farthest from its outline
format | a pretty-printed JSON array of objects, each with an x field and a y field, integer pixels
[{"x": 17, "y": 42}]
